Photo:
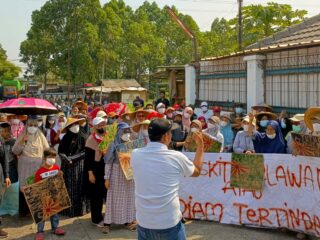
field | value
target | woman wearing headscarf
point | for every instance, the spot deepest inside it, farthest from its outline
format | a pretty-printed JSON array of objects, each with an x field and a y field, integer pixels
[
  {"x": 29, "y": 148},
  {"x": 71, "y": 151},
  {"x": 243, "y": 142},
  {"x": 214, "y": 130},
  {"x": 94, "y": 166},
  {"x": 269, "y": 142},
  {"x": 203, "y": 121},
  {"x": 120, "y": 206},
  {"x": 17, "y": 127},
  {"x": 226, "y": 130},
  {"x": 186, "y": 117},
  {"x": 56, "y": 132},
  {"x": 49, "y": 125}
]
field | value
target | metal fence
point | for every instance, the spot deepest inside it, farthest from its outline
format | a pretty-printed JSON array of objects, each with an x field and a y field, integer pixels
[
  {"x": 223, "y": 83},
  {"x": 293, "y": 81}
]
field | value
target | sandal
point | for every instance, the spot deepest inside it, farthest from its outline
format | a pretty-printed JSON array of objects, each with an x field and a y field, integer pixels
[
  {"x": 39, "y": 236},
  {"x": 105, "y": 230},
  {"x": 132, "y": 226},
  {"x": 59, "y": 232}
]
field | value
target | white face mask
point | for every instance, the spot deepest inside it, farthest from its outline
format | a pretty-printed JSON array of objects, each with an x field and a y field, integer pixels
[
  {"x": 61, "y": 124},
  {"x": 50, "y": 161},
  {"x": 149, "y": 110},
  {"x": 169, "y": 115},
  {"x": 245, "y": 128},
  {"x": 126, "y": 137},
  {"x": 211, "y": 126},
  {"x": 145, "y": 132},
  {"x": 204, "y": 108},
  {"x": 15, "y": 121},
  {"x": 51, "y": 122},
  {"x": 161, "y": 110},
  {"x": 40, "y": 124},
  {"x": 75, "y": 128},
  {"x": 272, "y": 136},
  {"x": 186, "y": 115},
  {"x": 316, "y": 127},
  {"x": 223, "y": 123},
  {"x": 193, "y": 130},
  {"x": 32, "y": 130}
]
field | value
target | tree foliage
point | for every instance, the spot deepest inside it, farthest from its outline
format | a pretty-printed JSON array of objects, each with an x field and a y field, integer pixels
[
  {"x": 82, "y": 41},
  {"x": 7, "y": 69}
]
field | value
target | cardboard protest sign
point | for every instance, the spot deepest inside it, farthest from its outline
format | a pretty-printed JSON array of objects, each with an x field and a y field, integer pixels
[
  {"x": 247, "y": 171},
  {"x": 47, "y": 197},
  {"x": 124, "y": 154},
  {"x": 305, "y": 145},
  {"x": 210, "y": 145}
]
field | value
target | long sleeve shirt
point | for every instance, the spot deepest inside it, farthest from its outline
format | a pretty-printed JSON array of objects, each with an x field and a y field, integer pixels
[
  {"x": 4, "y": 160},
  {"x": 243, "y": 142}
]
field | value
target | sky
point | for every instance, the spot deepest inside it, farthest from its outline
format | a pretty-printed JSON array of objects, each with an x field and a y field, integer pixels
[{"x": 15, "y": 15}]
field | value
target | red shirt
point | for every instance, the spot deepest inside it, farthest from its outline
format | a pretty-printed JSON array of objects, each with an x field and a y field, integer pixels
[{"x": 43, "y": 172}]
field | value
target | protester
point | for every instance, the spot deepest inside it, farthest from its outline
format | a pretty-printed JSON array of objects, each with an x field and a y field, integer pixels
[
  {"x": 217, "y": 111},
  {"x": 138, "y": 102},
  {"x": 163, "y": 100},
  {"x": 205, "y": 112},
  {"x": 194, "y": 116},
  {"x": 157, "y": 172},
  {"x": 112, "y": 118},
  {"x": 298, "y": 126},
  {"x": 94, "y": 166},
  {"x": 49, "y": 125},
  {"x": 29, "y": 148},
  {"x": 48, "y": 169},
  {"x": 149, "y": 107},
  {"x": 226, "y": 130},
  {"x": 214, "y": 130},
  {"x": 130, "y": 118},
  {"x": 161, "y": 108},
  {"x": 186, "y": 117},
  {"x": 74, "y": 111},
  {"x": 71, "y": 151},
  {"x": 140, "y": 130},
  {"x": 17, "y": 127},
  {"x": 56, "y": 132},
  {"x": 262, "y": 120},
  {"x": 284, "y": 123},
  {"x": 120, "y": 208},
  {"x": 203, "y": 121},
  {"x": 8, "y": 160},
  {"x": 169, "y": 113},
  {"x": 269, "y": 142},
  {"x": 179, "y": 134},
  {"x": 243, "y": 142},
  {"x": 139, "y": 116}
]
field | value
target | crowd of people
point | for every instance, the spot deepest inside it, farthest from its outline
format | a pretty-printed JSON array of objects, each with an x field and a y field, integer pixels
[{"x": 70, "y": 141}]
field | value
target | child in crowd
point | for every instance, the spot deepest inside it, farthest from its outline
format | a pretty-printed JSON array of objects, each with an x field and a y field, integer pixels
[{"x": 48, "y": 169}]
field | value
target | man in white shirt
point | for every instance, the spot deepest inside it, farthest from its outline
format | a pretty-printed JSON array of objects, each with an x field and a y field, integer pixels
[{"x": 157, "y": 172}]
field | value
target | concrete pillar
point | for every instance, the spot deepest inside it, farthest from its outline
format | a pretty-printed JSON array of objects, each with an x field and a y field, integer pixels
[
  {"x": 255, "y": 85},
  {"x": 190, "y": 84}
]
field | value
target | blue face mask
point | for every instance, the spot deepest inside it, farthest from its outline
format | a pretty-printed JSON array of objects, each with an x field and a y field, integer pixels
[
  {"x": 238, "y": 110},
  {"x": 264, "y": 123}
]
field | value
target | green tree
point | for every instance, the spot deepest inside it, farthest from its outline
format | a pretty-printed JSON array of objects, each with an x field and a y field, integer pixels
[{"x": 7, "y": 69}]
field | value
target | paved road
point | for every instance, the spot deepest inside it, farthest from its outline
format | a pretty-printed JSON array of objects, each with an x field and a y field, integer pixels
[{"x": 80, "y": 228}]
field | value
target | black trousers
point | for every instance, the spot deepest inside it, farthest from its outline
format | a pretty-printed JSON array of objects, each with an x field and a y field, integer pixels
[
  {"x": 23, "y": 206},
  {"x": 97, "y": 196}
]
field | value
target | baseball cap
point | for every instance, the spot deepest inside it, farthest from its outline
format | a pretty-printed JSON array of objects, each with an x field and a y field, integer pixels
[
  {"x": 97, "y": 121},
  {"x": 159, "y": 126}
]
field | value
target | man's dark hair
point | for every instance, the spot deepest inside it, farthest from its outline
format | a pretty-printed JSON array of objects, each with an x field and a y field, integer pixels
[
  {"x": 5, "y": 125},
  {"x": 157, "y": 128},
  {"x": 50, "y": 152}
]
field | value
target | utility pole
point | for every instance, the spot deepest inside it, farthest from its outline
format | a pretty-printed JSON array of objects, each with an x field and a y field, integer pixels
[{"x": 240, "y": 2}]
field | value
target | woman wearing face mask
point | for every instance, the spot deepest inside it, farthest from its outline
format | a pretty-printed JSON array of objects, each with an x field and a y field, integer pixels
[
  {"x": 203, "y": 122},
  {"x": 71, "y": 151},
  {"x": 262, "y": 120},
  {"x": 243, "y": 142},
  {"x": 140, "y": 131},
  {"x": 186, "y": 117},
  {"x": 29, "y": 148},
  {"x": 269, "y": 142},
  {"x": 214, "y": 130},
  {"x": 298, "y": 126},
  {"x": 94, "y": 167},
  {"x": 161, "y": 108},
  {"x": 169, "y": 113},
  {"x": 226, "y": 130},
  {"x": 205, "y": 112},
  {"x": 56, "y": 132},
  {"x": 120, "y": 207},
  {"x": 50, "y": 123},
  {"x": 179, "y": 134},
  {"x": 139, "y": 116}
]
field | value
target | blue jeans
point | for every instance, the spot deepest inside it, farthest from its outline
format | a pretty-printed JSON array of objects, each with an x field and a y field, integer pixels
[
  {"x": 54, "y": 223},
  {"x": 175, "y": 233}
]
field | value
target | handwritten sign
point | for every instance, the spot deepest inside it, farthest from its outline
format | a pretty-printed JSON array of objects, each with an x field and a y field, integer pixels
[
  {"x": 305, "y": 145},
  {"x": 124, "y": 154},
  {"x": 247, "y": 171},
  {"x": 290, "y": 198},
  {"x": 209, "y": 144},
  {"x": 47, "y": 197}
]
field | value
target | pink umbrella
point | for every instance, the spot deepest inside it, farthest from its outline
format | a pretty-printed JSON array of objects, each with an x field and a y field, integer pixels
[{"x": 28, "y": 106}]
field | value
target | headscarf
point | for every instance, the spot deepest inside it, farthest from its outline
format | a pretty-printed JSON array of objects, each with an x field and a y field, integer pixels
[
  {"x": 205, "y": 122},
  {"x": 263, "y": 144},
  {"x": 186, "y": 121},
  {"x": 228, "y": 134},
  {"x": 111, "y": 155},
  {"x": 16, "y": 130},
  {"x": 214, "y": 131}
]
